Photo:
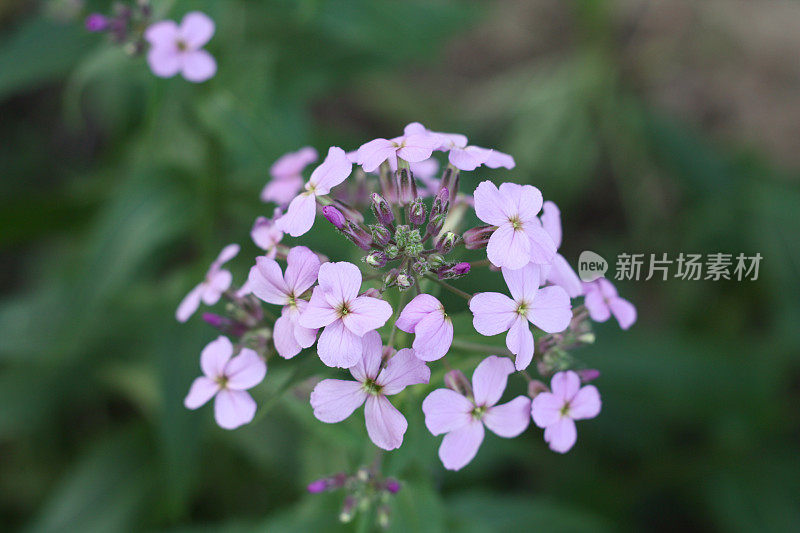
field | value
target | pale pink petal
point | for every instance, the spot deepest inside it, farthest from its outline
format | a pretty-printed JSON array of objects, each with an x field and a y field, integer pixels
[
  {"x": 282, "y": 191},
  {"x": 292, "y": 164},
  {"x": 202, "y": 390},
  {"x": 551, "y": 222},
  {"x": 198, "y": 66},
  {"x": 418, "y": 147},
  {"x": 366, "y": 314},
  {"x": 340, "y": 281},
  {"x": 607, "y": 288},
  {"x": 493, "y": 312},
  {"x": 331, "y": 172},
  {"x": 415, "y": 128},
  {"x": 217, "y": 283},
  {"x": 520, "y": 341},
  {"x": 372, "y": 154},
  {"x": 546, "y": 409},
  {"x": 446, "y": 410},
  {"x": 623, "y": 311},
  {"x": 299, "y": 216},
  {"x": 164, "y": 61},
  {"x": 233, "y": 408},
  {"x": 385, "y": 424},
  {"x": 334, "y": 400},
  {"x": 509, "y": 419},
  {"x": 561, "y": 274},
  {"x": 460, "y": 446},
  {"x": 402, "y": 370},
  {"x": 416, "y": 310},
  {"x": 562, "y": 435},
  {"x": 434, "y": 335},
  {"x": 227, "y": 253},
  {"x": 509, "y": 248},
  {"x": 215, "y": 356},
  {"x": 523, "y": 283},
  {"x": 468, "y": 158},
  {"x": 489, "y": 204},
  {"x": 196, "y": 29},
  {"x": 189, "y": 304},
  {"x": 301, "y": 270},
  {"x": 318, "y": 313},
  {"x": 585, "y": 404},
  {"x": 246, "y": 370},
  {"x": 283, "y": 335},
  {"x": 596, "y": 305},
  {"x": 551, "y": 310},
  {"x": 499, "y": 159},
  {"x": 266, "y": 281},
  {"x": 162, "y": 33},
  {"x": 542, "y": 247},
  {"x": 565, "y": 385},
  {"x": 490, "y": 378},
  {"x": 369, "y": 364},
  {"x": 523, "y": 201},
  {"x": 304, "y": 336},
  {"x": 265, "y": 233},
  {"x": 338, "y": 346}
]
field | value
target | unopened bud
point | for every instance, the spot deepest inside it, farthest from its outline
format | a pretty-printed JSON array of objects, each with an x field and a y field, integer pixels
[
  {"x": 588, "y": 374},
  {"x": 478, "y": 237},
  {"x": 348, "y": 510},
  {"x": 441, "y": 203},
  {"x": 352, "y": 214},
  {"x": 536, "y": 387},
  {"x": 96, "y": 23},
  {"x": 380, "y": 234},
  {"x": 446, "y": 243},
  {"x": 435, "y": 224},
  {"x": 420, "y": 267},
  {"x": 404, "y": 281},
  {"x": 392, "y": 251},
  {"x": 587, "y": 338},
  {"x": 392, "y": 485},
  {"x": 453, "y": 271},
  {"x": 456, "y": 380},
  {"x": 450, "y": 181},
  {"x": 381, "y": 209},
  {"x": 407, "y": 187},
  {"x": 334, "y": 216},
  {"x": 358, "y": 236},
  {"x": 230, "y": 327},
  {"x": 390, "y": 278},
  {"x": 384, "y": 513},
  {"x": 376, "y": 259},
  {"x": 315, "y": 487},
  {"x": 372, "y": 292},
  {"x": 416, "y": 213},
  {"x": 435, "y": 261}
]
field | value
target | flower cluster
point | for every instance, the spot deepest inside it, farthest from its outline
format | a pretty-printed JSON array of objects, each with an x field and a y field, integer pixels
[{"x": 380, "y": 317}]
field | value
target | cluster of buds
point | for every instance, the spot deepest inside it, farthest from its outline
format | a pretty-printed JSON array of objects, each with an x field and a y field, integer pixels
[
  {"x": 125, "y": 25},
  {"x": 364, "y": 490}
]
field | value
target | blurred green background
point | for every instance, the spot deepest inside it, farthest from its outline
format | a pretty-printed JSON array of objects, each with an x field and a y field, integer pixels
[{"x": 656, "y": 126}]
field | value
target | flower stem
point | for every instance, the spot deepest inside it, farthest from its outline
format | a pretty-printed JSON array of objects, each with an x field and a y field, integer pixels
[
  {"x": 481, "y": 348},
  {"x": 400, "y": 304},
  {"x": 467, "y": 296}
]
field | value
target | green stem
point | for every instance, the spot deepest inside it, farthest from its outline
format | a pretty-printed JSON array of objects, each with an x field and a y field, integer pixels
[
  {"x": 467, "y": 296},
  {"x": 400, "y": 304}
]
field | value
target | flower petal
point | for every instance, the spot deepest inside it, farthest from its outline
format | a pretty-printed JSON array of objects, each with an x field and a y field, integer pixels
[
  {"x": 385, "y": 424},
  {"x": 493, "y": 312},
  {"x": 318, "y": 313},
  {"x": 585, "y": 404},
  {"x": 467, "y": 159},
  {"x": 623, "y": 311},
  {"x": 551, "y": 222},
  {"x": 489, "y": 204},
  {"x": 215, "y": 356},
  {"x": 498, "y": 159},
  {"x": 164, "y": 61},
  {"x": 299, "y": 216},
  {"x": 562, "y": 435},
  {"x": 265, "y": 232},
  {"x": 162, "y": 33},
  {"x": 340, "y": 281},
  {"x": 213, "y": 288},
  {"x": 225, "y": 255},
  {"x": 333, "y": 171},
  {"x": 418, "y": 147},
  {"x": 402, "y": 370},
  {"x": 371, "y": 154},
  {"x": 233, "y": 408},
  {"x": 301, "y": 270},
  {"x": 490, "y": 378},
  {"x": 366, "y": 314},
  {"x": 198, "y": 66},
  {"x": 551, "y": 310},
  {"x": 509, "y": 419},
  {"x": 542, "y": 248},
  {"x": 460, "y": 446},
  {"x": 523, "y": 201},
  {"x": 283, "y": 335},
  {"x": 434, "y": 335},
  {"x": 282, "y": 191},
  {"x": 292, "y": 164},
  {"x": 246, "y": 370},
  {"x": 446, "y": 410},
  {"x": 546, "y": 409},
  {"x": 304, "y": 336},
  {"x": 189, "y": 304},
  {"x": 369, "y": 364},
  {"x": 523, "y": 283},
  {"x": 509, "y": 248},
  {"x": 196, "y": 29},
  {"x": 416, "y": 310},
  {"x": 338, "y": 346},
  {"x": 202, "y": 390},
  {"x": 334, "y": 400},
  {"x": 596, "y": 304},
  {"x": 561, "y": 274},
  {"x": 520, "y": 341},
  {"x": 266, "y": 281},
  {"x": 565, "y": 385}
]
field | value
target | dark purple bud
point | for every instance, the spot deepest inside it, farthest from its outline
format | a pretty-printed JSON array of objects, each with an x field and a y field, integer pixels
[
  {"x": 407, "y": 186},
  {"x": 446, "y": 243},
  {"x": 334, "y": 216},
  {"x": 441, "y": 203},
  {"x": 376, "y": 259},
  {"x": 315, "y": 487},
  {"x": 392, "y": 485},
  {"x": 214, "y": 320},
  {"x": 450, "y": 181},
  {"x": 453, "y": 271},
  {"x": 456, "y": 380},
  {"x": 358, "y": 236},
  {"x": 96, "y": 22},
  {"x": 478, "y": 237},
  {"x": 381, "y": 235},
  {"x": 381, "y": 209},
  {"x": 416, "y": 213},
  {"x": 352, "y": 214},
  {"x": 536, "y": 387},
  {"x": 588, "y": 374}
]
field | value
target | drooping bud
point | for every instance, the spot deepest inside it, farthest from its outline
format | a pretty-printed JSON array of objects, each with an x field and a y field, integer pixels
[
  {"x": 381, "y": 209},
  {"x": 416, "y": 212},
  {"x": 450, "y": 181},
  {"x": 404, "y": 281},
  {"x": 446, "y": 243},
  {"x": 96, "y": 22},
  {"x": 407, "y": 187},
  {"x": 478, "y": 237},
  {"x": 453, "y": 271},
  {"x": 456, "y": 380},
  {"x": 441, "y": 203},
  {"x": 435, "y": 261},
  {"x": 380, "y": 234},
  {"x": 376, "y": 259},
  {"x": 588, "y": 374},
  {"x": 334, "y": 216}
]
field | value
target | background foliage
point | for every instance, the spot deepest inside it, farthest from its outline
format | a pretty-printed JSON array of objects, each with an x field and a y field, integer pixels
[{"x": 657, "y": 127}]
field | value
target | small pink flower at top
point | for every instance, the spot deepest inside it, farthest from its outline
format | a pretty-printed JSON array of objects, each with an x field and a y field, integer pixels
[
  {"x": 268, "y": 283},
  {"x": 519, "y": 238},
  {"x": 346, "y": 316},
  {"x": 547, "y": 308},
  {"x": 412, "y": 148},
  {"x": 287, "y": 178},
  {"x": 266, "y": 234},
  {"x": 557, "y": 411},
  {"x": 176, "y": 48},
  {"x": 602, "y": 301},
  {"x": 460, "y": 155},
  {"x": 559, "y": 272},
  {"x": 210, "y": 290},
  {"x": 300, "y": 215},
  {"x": 227, "y": 378},
  {"x": 334, "y": 400},
  {"x": 463, "y": 418},
  {"x": 424, "y": 316}
]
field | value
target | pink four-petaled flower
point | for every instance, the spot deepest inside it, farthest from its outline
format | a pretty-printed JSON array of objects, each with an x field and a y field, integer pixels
[
  {"x": 228, "y": 379},
  {"x": 463, "y": 419},
  {"x": 460, "y": 155},
  {"x": 602, "y": 301},
  {"x": 334, "y": 400},
  {"x": 287, "y": 178},
  {"x": 557, "y": 411},
  {"x": 411, "y": 148},
  {"x": 519, "y": 238},
  {"x": 209, "y": 291},
  {"x": 548, "y": 308},
  {"x": 268, "y": 283},
  {"x": 346, "y": 316},
  {"x": 425, "y": 317},
  {"x": 176, "y": 48},
  {"x": 266, "y": 234}
]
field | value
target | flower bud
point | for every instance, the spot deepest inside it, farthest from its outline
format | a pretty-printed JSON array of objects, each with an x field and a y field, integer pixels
[
  {"x": 96, "y": 23},
  {"x": 536, "y": 387},
  {"x": 315, "y": 487},
  {"x": 380, "y": 235},
  {"x": 392, "y": 485},
  {"x": 435, "y": 224},
  {"x": 349, "y": 212},
  {"x": 234, "y": 328},
  {"x": 372, "y": 292},
  {"x": 348, "y": 510},
  {"x": 384, "y": 514},
  {"x": 456, "y": 380},
  {"x": 390, "y": 278},
  {"x": 441, "y": 203},
  {"x": 382, "y": 210},
  {"x": 478, "y": 237},
  {"x": 446, "y": 243},
  {"x": 450, "y": 181},
  {"x": 407, "y": 187},
  {"x": 404, "y": 281},
  {"x": 588, "y": 374},
  {"x": 416, "y": 213},
  {"x": 420, "y": 267},
  {"x": 334, "y": 216},
  {"x": 376, "y": 259},
  {"x": 453, "y": 271},
  {"x": 435, "y": 261},
  {"x": 392, "y": 251},
  {"x": 358, "y": 235}
]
